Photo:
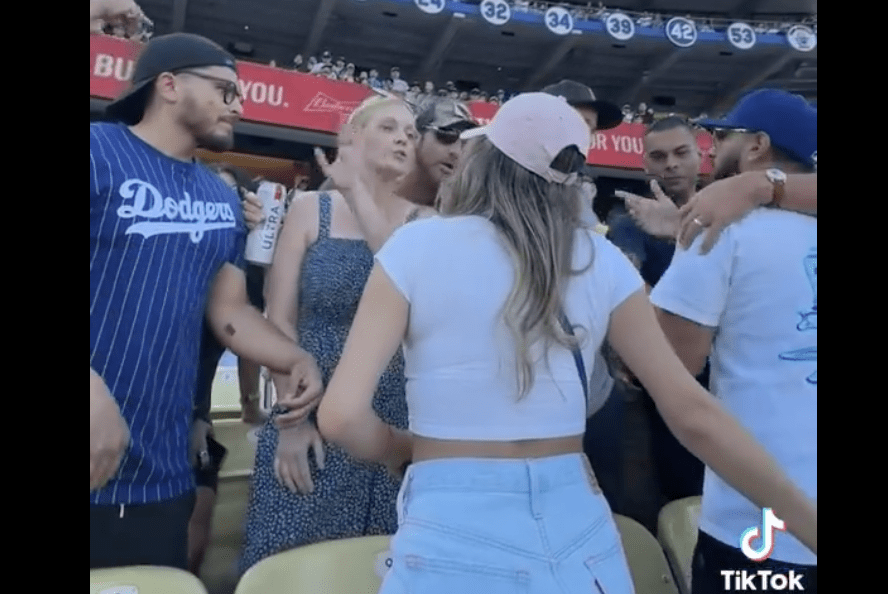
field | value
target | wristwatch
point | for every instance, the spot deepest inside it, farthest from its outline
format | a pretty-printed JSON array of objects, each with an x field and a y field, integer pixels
[{"x": 778, "y": 180}]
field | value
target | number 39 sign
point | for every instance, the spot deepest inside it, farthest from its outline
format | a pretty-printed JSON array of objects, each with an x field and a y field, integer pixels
[
  {"x": 496, "y": 12},
  {"x": 682, "y": 32},
  {"x": 620, "y": 26},
  {"x": 559, "y": 21}
]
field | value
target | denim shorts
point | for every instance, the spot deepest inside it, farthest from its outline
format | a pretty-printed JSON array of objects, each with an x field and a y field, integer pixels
[{"x": 534, "y": 526}]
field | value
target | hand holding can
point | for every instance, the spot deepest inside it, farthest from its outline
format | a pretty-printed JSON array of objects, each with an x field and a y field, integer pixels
[{"x": 262, "y": 240}]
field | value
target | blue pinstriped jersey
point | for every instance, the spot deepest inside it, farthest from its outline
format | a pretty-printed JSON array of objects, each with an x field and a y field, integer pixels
[{"x": 159, "y": 231}]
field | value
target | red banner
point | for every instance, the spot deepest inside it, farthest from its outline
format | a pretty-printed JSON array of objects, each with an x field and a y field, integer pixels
[{"x": 296, "y": 100}]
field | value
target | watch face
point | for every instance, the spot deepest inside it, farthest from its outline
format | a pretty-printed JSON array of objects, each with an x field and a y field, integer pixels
[{"x": 776, "y": 176}]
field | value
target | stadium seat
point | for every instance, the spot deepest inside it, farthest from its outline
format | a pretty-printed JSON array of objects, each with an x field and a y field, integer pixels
[
  {"x": 143, "y": 580},
  {"x": 647, "y": 563},
  {"x": 346, "y": 566},
  {"x": 219, "y": 569},
  {"x": 677, "y": 530}
]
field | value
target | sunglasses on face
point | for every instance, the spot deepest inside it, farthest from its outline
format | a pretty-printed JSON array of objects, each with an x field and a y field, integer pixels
[
  {"x": 722, "y": 134},
  {"x": 446, "y": 136},
  {"x": 230, "y": 90}
]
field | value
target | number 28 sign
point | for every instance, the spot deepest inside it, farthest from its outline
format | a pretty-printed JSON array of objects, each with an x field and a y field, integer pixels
[{"x": 681, "y": 32}]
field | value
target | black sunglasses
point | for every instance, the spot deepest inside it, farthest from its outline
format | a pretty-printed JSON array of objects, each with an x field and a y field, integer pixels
[
  {"x": 447, "y": 136},
  {"x": 230, "y": 90},
  {"x": 721, "y": 134}
]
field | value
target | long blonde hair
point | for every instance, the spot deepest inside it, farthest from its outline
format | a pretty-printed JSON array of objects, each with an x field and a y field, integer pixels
[{"x": 537, "y": 221}]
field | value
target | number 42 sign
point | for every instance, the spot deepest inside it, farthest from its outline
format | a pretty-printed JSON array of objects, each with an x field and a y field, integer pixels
[{"x": 681, "y": 31}]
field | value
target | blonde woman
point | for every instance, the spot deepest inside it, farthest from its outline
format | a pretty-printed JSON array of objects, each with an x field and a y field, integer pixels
[
  {"x": 499, "y": 497},
  {"x": 322, "y": 261}
]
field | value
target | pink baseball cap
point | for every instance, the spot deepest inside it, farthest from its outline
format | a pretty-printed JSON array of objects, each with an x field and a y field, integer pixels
[{"x": 532, "y": 129}]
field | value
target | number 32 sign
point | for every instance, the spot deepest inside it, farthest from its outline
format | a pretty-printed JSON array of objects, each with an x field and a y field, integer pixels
[
  {"x": 681, "y": 32},
  {"x": 496, "y": 12},
  {"x": 559, "y": 21}
]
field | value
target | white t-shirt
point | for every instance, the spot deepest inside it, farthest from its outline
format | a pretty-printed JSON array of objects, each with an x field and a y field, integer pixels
[
  {"x": 459, "y": 356},
  {"x": 758, "y": 288}
]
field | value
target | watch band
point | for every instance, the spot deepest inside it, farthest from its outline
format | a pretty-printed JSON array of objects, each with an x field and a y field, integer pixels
[
  {"x": 779, "y": 193},
  {"x": 778, "y": 181}
]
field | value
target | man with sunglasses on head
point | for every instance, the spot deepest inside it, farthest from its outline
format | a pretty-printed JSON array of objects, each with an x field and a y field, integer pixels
[
  {"x": 439, "y": 122},
  {"x": 166, "y": 249},
  {"x": 752, "y": 303}
]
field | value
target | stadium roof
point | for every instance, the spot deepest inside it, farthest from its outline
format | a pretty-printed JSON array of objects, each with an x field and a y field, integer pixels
[{"x": 459, "y": 45}]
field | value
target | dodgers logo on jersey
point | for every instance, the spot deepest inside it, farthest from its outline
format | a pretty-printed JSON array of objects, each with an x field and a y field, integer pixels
[{"x": 171, "y": 216}]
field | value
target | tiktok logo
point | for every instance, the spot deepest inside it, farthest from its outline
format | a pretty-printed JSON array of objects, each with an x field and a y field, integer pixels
[{"x": 770, "y": 523}]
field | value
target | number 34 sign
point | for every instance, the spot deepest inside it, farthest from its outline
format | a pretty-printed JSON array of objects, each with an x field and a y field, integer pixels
[{"x": 559, "y": 21}]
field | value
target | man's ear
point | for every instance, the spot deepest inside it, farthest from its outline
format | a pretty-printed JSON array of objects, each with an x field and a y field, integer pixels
[
  {"x": 166, "y": 88},
  {"x": 758, "y": 148}
]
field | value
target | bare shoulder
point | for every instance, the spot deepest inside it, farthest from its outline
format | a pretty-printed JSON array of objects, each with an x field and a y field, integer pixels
[{"x": 303, "y": 215}]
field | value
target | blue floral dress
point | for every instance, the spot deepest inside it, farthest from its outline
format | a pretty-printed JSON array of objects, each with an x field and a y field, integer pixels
[{"x": 351, "y": 497}]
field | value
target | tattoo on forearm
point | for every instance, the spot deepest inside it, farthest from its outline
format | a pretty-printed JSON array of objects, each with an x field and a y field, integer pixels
[{"x": 229, "y": 329}]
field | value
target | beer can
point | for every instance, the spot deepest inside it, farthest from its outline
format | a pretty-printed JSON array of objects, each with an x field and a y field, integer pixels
[{"x": 262, "y": 240}]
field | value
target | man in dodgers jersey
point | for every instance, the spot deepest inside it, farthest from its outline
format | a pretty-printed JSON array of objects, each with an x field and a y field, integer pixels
[
  {"x": 166, "y": 248},
  {"x": 753, "y": 301}
]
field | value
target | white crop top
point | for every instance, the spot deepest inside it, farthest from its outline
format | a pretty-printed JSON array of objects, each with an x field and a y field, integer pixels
[{"x": 459, "y": 355}]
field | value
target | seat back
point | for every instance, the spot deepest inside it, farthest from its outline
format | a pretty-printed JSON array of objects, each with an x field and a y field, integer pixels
[
  {"x": 219, "y": 569},
  {"x": 677, "y": 527},
  {"x": 647, "y": 563},
  {"x": 143, "y": 579},
  {"x": 345, "y": 566}
]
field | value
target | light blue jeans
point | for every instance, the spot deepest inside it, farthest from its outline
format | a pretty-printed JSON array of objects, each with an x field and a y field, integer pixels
[{"x": 485, "y": 526}]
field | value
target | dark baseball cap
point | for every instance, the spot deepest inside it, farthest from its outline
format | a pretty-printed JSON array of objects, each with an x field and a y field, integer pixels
[
  {"x": 579, "y": 95},
  {"x": 444, "y": 113},
  {"x": 788, "y": 119},
  {"x": 167, "y": 53}
]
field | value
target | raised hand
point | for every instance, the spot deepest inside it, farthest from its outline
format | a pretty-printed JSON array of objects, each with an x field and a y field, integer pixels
[{"x": 658, "y": 217}]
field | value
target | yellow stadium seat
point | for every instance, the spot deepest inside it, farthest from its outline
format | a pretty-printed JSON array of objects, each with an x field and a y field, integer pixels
[
  {"x": 647, "y": 563},
  {"x": 219, "y": 569},
  {"x": 345, "y": 566},
  {"x": 677, "y": 528},
  {"x": 143, "y": 580}
]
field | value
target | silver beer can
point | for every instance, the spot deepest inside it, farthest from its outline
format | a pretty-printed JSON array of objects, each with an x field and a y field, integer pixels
[{"x": 262, "y": 240}]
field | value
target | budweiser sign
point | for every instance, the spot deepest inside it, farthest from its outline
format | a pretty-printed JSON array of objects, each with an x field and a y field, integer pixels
[{"x": 296, "y": 100}]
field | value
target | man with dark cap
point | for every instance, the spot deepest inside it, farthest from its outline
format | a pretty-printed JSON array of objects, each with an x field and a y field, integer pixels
[
  {"x": 166, "y": 249},
  {"x": 603, "y": 438},
  {"x": 439, "y": 123},
  {"x": 599, "y": 115}
]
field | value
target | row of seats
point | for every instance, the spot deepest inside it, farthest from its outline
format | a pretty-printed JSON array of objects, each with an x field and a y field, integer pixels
[{"x": 356, "y": 565}]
